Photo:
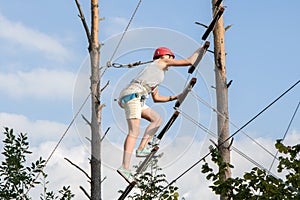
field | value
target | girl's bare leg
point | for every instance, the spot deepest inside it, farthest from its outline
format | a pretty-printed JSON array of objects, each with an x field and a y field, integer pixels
[
  {"x": 155, "y": 122},
  {"x": 133, "y": 133}
]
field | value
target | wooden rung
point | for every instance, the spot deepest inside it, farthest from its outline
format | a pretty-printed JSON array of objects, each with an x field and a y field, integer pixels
[{"x": 213, "y": 23}]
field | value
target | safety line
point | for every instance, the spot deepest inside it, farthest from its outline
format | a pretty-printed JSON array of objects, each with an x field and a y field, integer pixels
[
  {"x": 253, "y": 118},
  {"x": 222, "y": 115},
  {"x": 109, "y": 63},
  {"x": 285, "y": 134},
  {"x": 205, "y": 129},
  {"x": 130, "y": 65},
  {"x": 60, "y": 140},
  {"x": 124, "y": 32},
  {"x": 234, "y": 125}
]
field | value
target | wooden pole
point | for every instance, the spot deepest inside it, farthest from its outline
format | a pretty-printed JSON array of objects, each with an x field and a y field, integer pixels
[
  {"x": 94, "y": 49},
  {"x": 221, "y": 90}
]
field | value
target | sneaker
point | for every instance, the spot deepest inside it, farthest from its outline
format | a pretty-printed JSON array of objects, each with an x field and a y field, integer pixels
[
  {"x": 155, "y": 141},
  {"x": 143, "y": 153},
  {"x": 126, "y": 174}
]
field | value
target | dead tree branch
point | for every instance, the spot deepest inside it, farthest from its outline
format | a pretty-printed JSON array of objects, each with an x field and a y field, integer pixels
[
  {"x": 103, "y": 179},
  {"x": 86, "y": 120},
  {"x": 81, "y": 16},
  {"x": 85, "y": 192},
  {"x": 78, "y": 168},
  {"x": 105, "y": 133},
  {"x": 104, "y": 86}
]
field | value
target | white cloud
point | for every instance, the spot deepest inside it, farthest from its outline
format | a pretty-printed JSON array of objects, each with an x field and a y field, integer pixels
[
  {"x": 60, "y": 172},
  {"x": 116, "y": 25},
  {"x": 18, "y": 33},
  {"x": 293, "y": 138},
  {"x": 178, "y": 157},
  {"x": 38, "y": 131},
  {"x": 38, "y": 83}
]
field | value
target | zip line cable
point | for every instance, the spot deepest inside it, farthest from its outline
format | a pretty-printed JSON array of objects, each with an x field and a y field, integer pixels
[
  {"x": 109, "y": 63},
  {"x": 231, "y": 136},
  {"x": 262, "y": 111},
  {"x": 126, "y": 29},
  {"x": 291, "y": 121},
  {"x": 60, "y": 140},
  {"x": 285, "y": 135},
  {"x": 205, "y": 129},
  {"x": 221, "y": 114}
]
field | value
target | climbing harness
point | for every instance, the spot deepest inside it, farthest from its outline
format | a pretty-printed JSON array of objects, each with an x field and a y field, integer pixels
[{"x": 129, "y": 97}]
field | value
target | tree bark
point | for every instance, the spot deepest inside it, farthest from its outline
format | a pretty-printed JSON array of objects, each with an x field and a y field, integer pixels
[
  {"x": 221, "y": 92},
  {"x": 94, "y": 49}
]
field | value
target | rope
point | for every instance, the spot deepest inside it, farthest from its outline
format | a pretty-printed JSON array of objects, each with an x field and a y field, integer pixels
[
  {"x": 109, "y": 63},
  {"x": 118, "y": 45},
  {"x": 60, "y": 140},
  {"x": 205, "y": 129},
  {"x": 285, "y": 134},
  {"x": 231, "y": 136},
  {"x": 267, "y": 107},
  {"x": 222, "y": 115}
]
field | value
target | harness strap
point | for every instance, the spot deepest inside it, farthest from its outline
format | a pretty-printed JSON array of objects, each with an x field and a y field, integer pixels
[
  {"x": 146, "y": 86},
  {"x": 129, "y": 97}
]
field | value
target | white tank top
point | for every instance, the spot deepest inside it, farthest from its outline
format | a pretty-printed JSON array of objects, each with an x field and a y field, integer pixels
[
  {"x": 151, "y": 76},
  {"x": 146, "y": 81}
]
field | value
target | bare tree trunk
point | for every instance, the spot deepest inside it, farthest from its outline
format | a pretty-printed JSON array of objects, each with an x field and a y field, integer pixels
[
  {"x": 94, "y": 49},
  {"x": 95, "y": 124},
  {"x": 222, "y": 92}
]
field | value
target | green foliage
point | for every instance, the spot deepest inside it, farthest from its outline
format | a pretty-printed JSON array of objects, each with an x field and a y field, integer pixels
[
  {"x": 290, "y": 164},
  {"x": 15, "y": 177},
  {"x": 65, "y": 192},
  {"x": 258, "y": 184}
]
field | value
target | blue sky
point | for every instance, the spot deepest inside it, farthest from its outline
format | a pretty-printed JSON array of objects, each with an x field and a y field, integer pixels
[{"x": 43, "y": 50}]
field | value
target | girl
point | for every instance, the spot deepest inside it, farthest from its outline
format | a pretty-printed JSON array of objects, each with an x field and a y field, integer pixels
[{"x": 133, "y": 97}]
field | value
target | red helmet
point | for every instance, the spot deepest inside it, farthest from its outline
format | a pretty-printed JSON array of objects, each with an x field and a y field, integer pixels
[{"x": 161, "y": 51}]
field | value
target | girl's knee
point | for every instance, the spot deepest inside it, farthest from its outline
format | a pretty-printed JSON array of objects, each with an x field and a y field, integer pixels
[
  {"x": 158, "y": 121},
  {"x": 134, "y": 133}
]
